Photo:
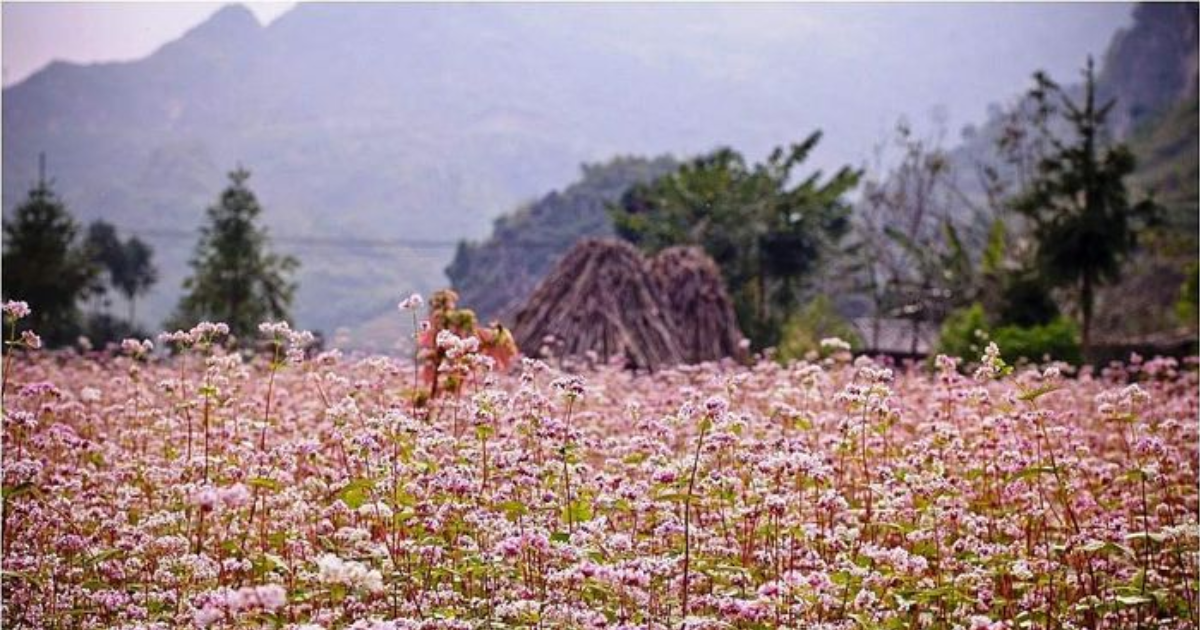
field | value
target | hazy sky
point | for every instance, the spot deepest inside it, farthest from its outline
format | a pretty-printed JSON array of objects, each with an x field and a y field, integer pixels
[
  {"x": 37, "y": 33},
  {"x": 952, "y": 55}
]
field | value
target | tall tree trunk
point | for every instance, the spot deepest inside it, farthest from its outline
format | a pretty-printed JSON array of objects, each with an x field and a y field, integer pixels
[
  {"x": 1085, "y": 307},
  {"x": 916, "y": 331},
  {"x": 876, "y": 324}
]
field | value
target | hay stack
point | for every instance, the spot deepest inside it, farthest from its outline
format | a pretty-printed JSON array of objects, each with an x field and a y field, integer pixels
[
  {"x": 700, "y": 309},
  {"x": 601, "y": 297}
]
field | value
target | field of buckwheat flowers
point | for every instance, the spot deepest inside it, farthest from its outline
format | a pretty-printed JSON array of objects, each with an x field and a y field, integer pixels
[{"x": 211, "y": 488}]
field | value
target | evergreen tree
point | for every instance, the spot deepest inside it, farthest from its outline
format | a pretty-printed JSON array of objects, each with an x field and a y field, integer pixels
[
  {"x": 235, "y": 278},
  {"x": 45, "y": 266},
  {"x": 1083, "y": 221}
]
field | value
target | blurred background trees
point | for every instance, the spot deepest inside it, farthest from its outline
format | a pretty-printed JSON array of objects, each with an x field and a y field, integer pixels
[
  {"x": 46, "y": 264},
  {"x": 124, "y": 267},
  {"x": 1084, "y": 223},
  {"x": 236, "y": 278},
  {"x": 766, "y": 226},
  {"x": 50, "y": 264}
]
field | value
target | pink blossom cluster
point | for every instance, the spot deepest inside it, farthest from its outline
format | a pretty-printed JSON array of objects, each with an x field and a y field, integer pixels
[{"x": 212, "y": 489}]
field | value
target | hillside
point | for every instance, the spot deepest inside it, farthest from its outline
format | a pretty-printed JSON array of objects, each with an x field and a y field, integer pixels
[
  {"x": 380, "y": 135},
  {"x": 1150, "y": 68},
  {"x": 495, "y": 276},
  {"x": 401, "y": 122}
]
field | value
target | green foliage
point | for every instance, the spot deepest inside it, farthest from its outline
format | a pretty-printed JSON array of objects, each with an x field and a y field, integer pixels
[
  {"x": 128, "y": 265},
  {"x": 964, "y": 333},
  {"x": 235, "y": 278},
  {"x": 1189, "y": 296},
  {"x": 803, "y": 331},
  {"x": 1083, "y": 221},
  {"x": 1025, "y": 300},
  {"x": 967, "y": 331},
  {"x": 45, "y": 265},
  {"x": 1058, "y": 340},
  {"x": 765, "y": 228}
]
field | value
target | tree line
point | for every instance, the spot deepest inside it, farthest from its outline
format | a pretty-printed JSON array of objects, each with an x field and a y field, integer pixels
[
  {"x": 57, "y": 267},
  {"x": 1052, "y": 223},
  {"x": 1021, "y": 257}
]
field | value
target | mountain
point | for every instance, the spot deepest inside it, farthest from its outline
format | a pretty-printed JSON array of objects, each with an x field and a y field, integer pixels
[
  {"x": 1150, "y": 69},
  {"x": 1151, "y": 72},
  {"x": 1151, "y": 66},
  {"x": 379, "y": 135}
]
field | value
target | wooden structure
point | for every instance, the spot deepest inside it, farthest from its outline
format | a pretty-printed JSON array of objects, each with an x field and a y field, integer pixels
[
  {"x": 602, "y": 298},
  {"x": 702, "y": 314}
]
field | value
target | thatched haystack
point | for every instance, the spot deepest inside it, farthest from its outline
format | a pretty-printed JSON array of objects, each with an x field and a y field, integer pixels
[
  {"x": 701, "y": 312},
  {"x": 601, "y": 298}
]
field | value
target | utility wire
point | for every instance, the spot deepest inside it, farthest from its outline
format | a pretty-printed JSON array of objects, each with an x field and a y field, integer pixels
[{"x": 340, "y": 242}]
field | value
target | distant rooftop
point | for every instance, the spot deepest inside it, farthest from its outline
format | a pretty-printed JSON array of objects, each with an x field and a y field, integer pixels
[{"x": 895, "y": 336}]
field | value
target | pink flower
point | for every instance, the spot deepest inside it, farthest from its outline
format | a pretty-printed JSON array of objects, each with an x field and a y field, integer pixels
[
  {"x": 31, "y": 340},
  {"x": 15, "y": 310}
]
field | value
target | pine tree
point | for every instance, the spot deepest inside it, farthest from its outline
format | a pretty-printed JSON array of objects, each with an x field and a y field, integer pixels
[
  {"x": 235, "y": 277},
  {"x": 44, "y": 264},
  {"x": 1083, "y": 221}
]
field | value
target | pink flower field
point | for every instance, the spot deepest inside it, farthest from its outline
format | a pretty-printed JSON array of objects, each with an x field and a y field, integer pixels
[{"x": 217, "y": 489}]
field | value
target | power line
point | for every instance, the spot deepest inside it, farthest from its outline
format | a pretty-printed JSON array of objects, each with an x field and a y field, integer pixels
[{"x": 342, "y": 242}]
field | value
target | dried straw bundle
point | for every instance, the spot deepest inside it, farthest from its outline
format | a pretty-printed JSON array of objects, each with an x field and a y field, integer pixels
[
  {"x": 701, "y": 312},
  {"x": 601, "y": 298}
]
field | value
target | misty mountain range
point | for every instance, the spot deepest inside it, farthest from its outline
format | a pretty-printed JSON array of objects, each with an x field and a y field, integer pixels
[{"x": 380, "y": 135}]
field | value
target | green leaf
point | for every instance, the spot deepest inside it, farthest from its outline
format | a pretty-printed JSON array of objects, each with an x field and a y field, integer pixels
[
  {"x": 1032, "y": 471},
  {"x": 355, "y": 494},
  {"x": 265, "y": 483},
  {"x": 1037, "y": 392},
  {"x": 275, "y": 562},
  {"x": 1133, "y": 600},
  {"x": 107, "y": 554},
  {"x": 580, "y": 510},
  {"x": 1157, "y": 537},
  {"x": 1101, "y": 546},
  {"x": 674, "y": 497},
  {"x": 12, "y": 492}
]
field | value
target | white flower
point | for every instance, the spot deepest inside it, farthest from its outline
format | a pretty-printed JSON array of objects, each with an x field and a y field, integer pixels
[
  {"x": 274, "y": 329},
  {"x": 835, "y": 344},
  {"x": 333, "y": 570},
  {"x": 411, "y": 303},
  {"x": 137, "y": 348},
  {"x": 380, "y": 510}
]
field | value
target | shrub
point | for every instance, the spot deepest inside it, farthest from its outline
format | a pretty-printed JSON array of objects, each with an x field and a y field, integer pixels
[
  {"x": 966, "y": 332},
  {"x": 1189, "y": 296},
  {"x": 803, "y": 331},
  {"x": 1057, "y": 340}
]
